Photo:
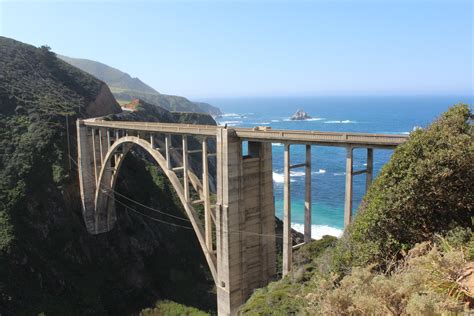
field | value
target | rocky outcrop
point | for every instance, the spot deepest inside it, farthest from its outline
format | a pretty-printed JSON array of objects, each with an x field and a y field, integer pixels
[
  {"x": 300, "y": 115},
  {"x": 103, "y": 104}
]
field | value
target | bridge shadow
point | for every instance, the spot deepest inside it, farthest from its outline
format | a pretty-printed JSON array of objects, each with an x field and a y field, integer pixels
[{"x": 166, "y": 260}]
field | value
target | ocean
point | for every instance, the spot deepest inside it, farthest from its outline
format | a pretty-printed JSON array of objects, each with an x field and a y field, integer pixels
[{"x": 371, "y": 114}]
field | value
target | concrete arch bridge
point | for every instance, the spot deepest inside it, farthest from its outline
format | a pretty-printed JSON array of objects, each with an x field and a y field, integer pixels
[{"x": 237, "y": 234}]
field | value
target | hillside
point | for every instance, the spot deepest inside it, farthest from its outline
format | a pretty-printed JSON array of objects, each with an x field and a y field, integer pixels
[
  {"x": 48, "y": 261},
  {"x": 125, "y": 88},
  {"x": 112, "y": 76}
]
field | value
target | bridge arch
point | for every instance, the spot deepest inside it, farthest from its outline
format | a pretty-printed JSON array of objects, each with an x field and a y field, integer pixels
[{"x": 104, "y": 194}]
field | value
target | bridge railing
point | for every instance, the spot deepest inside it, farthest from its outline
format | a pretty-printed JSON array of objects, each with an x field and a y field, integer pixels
[{"x": 342, "y": 139}]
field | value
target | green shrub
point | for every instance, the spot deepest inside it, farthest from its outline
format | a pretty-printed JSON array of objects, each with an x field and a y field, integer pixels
[
  {"x": 287, "y": 296},
  {"x": 426, "y": 188},
  {"x": 170, "y": 308}
]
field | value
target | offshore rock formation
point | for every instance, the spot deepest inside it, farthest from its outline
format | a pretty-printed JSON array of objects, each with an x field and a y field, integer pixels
[{"x": 300, "y": 115}]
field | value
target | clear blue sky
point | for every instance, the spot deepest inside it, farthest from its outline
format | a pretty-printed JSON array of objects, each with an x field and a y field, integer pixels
[{"x": 262, "y": 48}]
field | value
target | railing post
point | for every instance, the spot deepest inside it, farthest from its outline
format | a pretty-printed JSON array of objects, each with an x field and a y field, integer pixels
[
  {"x": 307, "y": 203},
  {"x": 348, "y": 195},
  {"x": 370, "y": 168},
  {"x": 287, "y": 240},
  {"x": 152, "y": 143}
]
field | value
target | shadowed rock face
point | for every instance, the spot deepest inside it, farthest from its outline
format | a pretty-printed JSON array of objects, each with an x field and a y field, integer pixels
[
  {"x": 103, "y": 104},
  {"x": 300, "y": 115}
]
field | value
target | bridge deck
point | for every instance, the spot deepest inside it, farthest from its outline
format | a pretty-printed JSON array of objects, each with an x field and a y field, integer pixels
[{"x": 341, "y": 139}]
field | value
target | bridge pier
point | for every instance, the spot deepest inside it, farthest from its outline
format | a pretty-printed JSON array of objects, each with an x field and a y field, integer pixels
[
  {"x": 350, "y": 173},
  {"x": 245, "y": 220}
]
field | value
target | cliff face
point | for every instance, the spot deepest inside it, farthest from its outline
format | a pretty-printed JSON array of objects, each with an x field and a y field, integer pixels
[
  {"x": 48, "y": 261},
  {"x": 103, "y": 104}
]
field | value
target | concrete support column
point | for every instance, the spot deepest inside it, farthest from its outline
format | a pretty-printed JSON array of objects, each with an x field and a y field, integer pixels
[
  {"x": 370, "y": 168},
  {"x": 185, "y": 168},
  {"x": 245, "y": 220},
  {"x": 94, "y": 154},
  {"x": 229, "y": 238},
  {"x": 167, "y": 151},
  {"x": 86, "y": 168},
  {"x": 259, "y": 216},
  {"x": 108, "y": 139},
  {"x": 207, "y": 202},
  {"x": 348, "y": 195},
  {"x": 307, "y": 203},
  {"x": 287, "y": 240},
  {"x": 101, "y": 147}
]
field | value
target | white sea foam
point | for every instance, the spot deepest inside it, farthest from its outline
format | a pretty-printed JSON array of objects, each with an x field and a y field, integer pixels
[
  {"x": 262, "y": 123},
  {"x": 230, "y": 123},
  {"x": 275, "y": 120},
  {"x": 277, "y": 144},
  {"x": 310, "y": 119},
  {"x": 340, "y": 122},
  {"x": 297, "y": 173},
  {"x": 396, "y": 133},
  {"x": 318, "y": 231},
  {"x": 339, "y": 173},
  {"x": 280, "y": 178},
  {"x": 231, "y": 115},
  {"x": 320, "y": 171}
]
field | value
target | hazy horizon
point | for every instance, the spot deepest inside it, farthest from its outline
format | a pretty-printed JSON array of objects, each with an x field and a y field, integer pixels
[{"x": 213, "y": 49}]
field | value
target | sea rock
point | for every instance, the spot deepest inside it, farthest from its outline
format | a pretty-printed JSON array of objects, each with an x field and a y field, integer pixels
[{"x": 299, "y": 116}]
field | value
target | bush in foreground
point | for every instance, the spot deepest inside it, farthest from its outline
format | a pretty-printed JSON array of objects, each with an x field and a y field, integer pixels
[
  {"x": 170, "y": 308},
  {"x": 427, "y": 187}
]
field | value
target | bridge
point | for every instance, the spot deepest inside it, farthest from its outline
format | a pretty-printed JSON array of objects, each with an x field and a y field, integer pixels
[{"x": 237, "y": 232}]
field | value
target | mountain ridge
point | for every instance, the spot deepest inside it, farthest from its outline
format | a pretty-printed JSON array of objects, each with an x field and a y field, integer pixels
[{"x": 126, "y": 88}]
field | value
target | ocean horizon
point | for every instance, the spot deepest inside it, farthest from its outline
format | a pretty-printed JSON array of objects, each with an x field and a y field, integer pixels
[{"x": 370, "y": 114}]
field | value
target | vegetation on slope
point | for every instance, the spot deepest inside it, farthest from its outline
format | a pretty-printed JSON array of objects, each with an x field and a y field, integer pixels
[
  {"x": 425, "y": 282},
  {"x": 170, "y": 308},
  {"x": 391, "y": 259},
  {"x": 112, "y": 76},
  {"x": 48, "y": 261},
  {"x": 126, "y": 88}
]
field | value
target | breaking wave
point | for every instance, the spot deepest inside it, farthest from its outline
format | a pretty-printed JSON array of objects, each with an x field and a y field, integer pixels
[
  {"x": 340, "y": 122},
  {"x": 280, "y": 178},
  {"x": 230, "y": 123},
  {"x": 318, "y": 231}
]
